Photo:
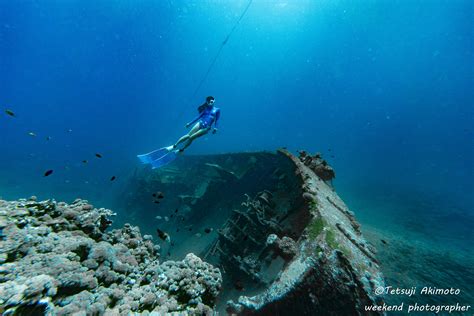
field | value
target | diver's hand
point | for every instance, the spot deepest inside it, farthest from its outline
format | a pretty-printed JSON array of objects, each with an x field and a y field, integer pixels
[{"x": 214, "y": 130}]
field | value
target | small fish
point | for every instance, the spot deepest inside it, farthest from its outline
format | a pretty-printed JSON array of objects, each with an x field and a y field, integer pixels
[
  {"x": 166, "y": 218},
  {"x": 48, "y": 138},
  {"x": 158, "y": 217},
  {"x": 329, "y": 149},
  {"x": 48, "y": 173},
  {"x": 69, "y": 130},
  {"x": 158, "y": 195},
  {"x": 208, "y": 230},
  {"x": 198, "y": 235},
  {"x": 171, "y": 216},
  {"x": 32, "y": 134},
  {"x": 176, "y": 211},
  {"x": 85, "y": 161},
  {"x": 383, "y": 241},
  {"x": 162, "y": 235},
  {"x": 10, "y": 112},
  {"x": 113, "y": 178},
  {"x": 177, "y": 230},
  {"x": 156, "y": 202},
  {"x": 98, "y": 155}
]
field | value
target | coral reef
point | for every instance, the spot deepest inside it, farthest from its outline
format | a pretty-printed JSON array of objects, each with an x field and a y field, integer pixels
[
  {"x": 58, "y": 258},
  {"x": 318, "y": 165},
  {"x": 286, "y": 247}
]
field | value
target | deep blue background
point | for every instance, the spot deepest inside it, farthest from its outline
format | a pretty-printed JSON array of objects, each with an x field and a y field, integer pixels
[{"x": 384, "y": 86}]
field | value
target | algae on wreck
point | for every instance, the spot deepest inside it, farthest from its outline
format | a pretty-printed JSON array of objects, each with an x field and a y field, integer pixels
[{"x": 315, "y": 228}]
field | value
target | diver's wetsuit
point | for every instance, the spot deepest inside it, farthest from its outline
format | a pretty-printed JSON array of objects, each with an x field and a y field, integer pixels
[{"x": 209, "y": 115}]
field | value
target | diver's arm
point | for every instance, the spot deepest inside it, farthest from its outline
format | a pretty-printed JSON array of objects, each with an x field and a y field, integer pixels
[{"x": 218, "y": 115}]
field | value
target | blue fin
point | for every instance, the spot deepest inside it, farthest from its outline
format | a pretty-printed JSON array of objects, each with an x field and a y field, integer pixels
[
  {"x": 154, "y": 155},
  {"x": 164, "y": 160}
]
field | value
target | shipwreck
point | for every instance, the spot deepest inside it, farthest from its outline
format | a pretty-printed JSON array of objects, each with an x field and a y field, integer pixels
[{"x": 282, "y": 238}]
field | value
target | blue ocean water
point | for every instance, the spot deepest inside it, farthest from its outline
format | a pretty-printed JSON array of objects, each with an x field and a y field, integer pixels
[{"x": 382, "y": 88}]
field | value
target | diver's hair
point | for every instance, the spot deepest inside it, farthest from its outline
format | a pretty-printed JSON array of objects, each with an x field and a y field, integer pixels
[{"x": 204, "y": 105}]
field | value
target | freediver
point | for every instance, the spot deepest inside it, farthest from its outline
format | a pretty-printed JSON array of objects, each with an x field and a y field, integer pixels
[{"x": 208, "y": 115}]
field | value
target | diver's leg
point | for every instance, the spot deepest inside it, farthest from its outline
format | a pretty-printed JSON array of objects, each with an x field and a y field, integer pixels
[
  {"x": 199, "y": 133},
  {"x": 187, "y": 136},
  {"x": 182, "y": 139}
]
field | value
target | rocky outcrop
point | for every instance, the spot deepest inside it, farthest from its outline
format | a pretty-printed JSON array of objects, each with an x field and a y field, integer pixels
[{"x": 58, "y": 258}]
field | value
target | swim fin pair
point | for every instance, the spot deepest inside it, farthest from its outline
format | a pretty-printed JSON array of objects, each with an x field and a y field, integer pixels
[{"x": 160, "y": 157}]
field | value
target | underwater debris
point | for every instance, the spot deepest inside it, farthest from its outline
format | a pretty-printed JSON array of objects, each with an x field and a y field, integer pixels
[
  {"x": 48, "y": 173},
  {"x": 242, "y": 237}
]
